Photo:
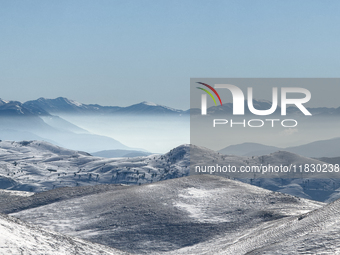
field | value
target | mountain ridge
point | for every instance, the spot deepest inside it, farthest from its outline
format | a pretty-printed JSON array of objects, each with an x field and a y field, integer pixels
[
  {"x": 67, "y": 106},
  {"x": 316, "y": 149},
  {"x": 45, "y": 106}
]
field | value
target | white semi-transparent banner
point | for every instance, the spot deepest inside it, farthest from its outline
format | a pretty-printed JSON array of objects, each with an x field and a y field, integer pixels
[{"x": 265, "y": 127}]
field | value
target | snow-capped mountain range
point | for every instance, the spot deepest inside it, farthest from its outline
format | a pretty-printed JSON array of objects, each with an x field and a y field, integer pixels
[
  {"x": 62, "y": 105},
  {"x": 53, "y": 120},
  {"x": 49, "y": 120}
]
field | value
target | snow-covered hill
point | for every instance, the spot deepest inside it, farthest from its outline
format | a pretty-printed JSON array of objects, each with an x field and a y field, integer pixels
[
  {"x": 201, "y": 156},
  {"x": 163, "y": 216},
  {"x": 315, "y": 232},
  {"x": 199, "y": 214},
  {"x": 307, "y": 185},
  {"x": 38, "y": 166},
  {"x": 18, "y": 237}
]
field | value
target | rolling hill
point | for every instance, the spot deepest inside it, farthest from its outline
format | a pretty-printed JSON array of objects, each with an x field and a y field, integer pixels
[
  {"x": 315, "y": 232},
  {"x": 39, "y": 166},
  {"x": 159, "y": 217}
]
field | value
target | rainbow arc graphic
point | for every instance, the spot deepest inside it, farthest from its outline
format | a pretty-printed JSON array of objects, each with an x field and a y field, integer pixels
[{"x": 209, "y": 93}]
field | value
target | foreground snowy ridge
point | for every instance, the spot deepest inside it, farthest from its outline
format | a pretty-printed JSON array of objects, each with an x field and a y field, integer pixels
[
  {"x": 18, "y": 237},
  {"x": 159, "y": 217},
  {"x": 316, "y": 232}
]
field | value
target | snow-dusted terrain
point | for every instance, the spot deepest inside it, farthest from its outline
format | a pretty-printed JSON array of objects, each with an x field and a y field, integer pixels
[
  {"x": 316, "y": 186},
  {"x": 316, "y": 232},
  {"x": 17, "y": 237},
  {"x": 136, "y": 211},
  {"x": 37, "y": 166},
  {"x": 203, "y": 156},
  {"x": 163, "y": 216}
]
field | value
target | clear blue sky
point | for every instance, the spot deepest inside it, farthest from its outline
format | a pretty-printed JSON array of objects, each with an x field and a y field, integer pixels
[{"x": 124, "y": 52}]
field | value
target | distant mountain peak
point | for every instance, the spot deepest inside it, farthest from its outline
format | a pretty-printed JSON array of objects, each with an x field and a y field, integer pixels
[
  {"x": 149, "y": 103},
  {"x": 158, "y": 105},
  {"x": 66, "y": 100},
  {"x": 2, "y": 102},
  {"x": 74, "y": 102}
]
